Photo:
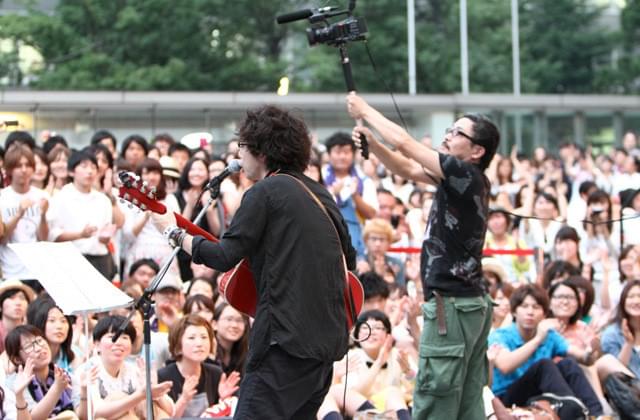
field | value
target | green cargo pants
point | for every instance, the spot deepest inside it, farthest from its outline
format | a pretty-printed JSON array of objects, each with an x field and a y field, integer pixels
[{"x": 453, "y": 364}]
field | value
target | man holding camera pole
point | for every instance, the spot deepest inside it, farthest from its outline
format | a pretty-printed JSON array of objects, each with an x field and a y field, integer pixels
[{"x": 457, "y": 314}]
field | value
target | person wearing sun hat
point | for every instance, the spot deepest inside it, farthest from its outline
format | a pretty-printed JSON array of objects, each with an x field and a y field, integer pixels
[
  {"x": 15, "y": 297},
  {"x": 170, "y": 172}
]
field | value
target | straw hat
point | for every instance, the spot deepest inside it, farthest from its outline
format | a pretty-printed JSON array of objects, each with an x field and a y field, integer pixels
[
  {"x": 17, "y": 284},
  {"x": 495, "y": 266},
  {"x": 169, "y": 167}
]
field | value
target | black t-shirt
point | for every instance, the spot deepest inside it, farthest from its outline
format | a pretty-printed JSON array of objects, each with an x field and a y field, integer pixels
[
  {"x": 209, "y": 380},
  {"x": 452, "y": 250}
]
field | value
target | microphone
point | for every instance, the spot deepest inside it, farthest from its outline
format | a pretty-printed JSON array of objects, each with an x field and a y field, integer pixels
[
  {"x": 293, "y": 16},
  {"x": 233, "y": 167}
]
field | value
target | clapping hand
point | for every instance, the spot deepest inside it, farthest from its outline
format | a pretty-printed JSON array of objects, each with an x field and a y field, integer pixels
[
  {"x": 189, "y": 388},
  {"x": 24, "y": 377},
  {"x": 228, "y": 385},
  {"x": 61, "y": 379}
]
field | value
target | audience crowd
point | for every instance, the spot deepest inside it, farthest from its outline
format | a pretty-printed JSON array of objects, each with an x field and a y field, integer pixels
[{"x": 562, "y": 264}]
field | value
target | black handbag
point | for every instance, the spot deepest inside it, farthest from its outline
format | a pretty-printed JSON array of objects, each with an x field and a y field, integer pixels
[{"x": 623, "y": 393}]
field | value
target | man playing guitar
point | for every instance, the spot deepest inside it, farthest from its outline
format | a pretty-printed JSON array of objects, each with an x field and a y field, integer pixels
[{"x": 297, "y": 248}]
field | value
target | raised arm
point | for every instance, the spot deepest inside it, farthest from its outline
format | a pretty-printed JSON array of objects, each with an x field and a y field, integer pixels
[
  {"x": 394, "y": 161},
  {"x": 395, "y": 135}
]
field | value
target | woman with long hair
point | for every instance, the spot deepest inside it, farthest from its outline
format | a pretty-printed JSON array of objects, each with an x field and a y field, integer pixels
[
  {"x": 191, "y": 198},
  {"x": 44, "y": 314},
  {"x": 196, "y": 385},
  {"x": 565, "y": 306},
  {"x": 622, "y": 337},
  {"x": 202, "y": 306},
  {"x": 540, "y": 232},
  {"x": 41, "y": 172},
  {"x": 232, "y": 335},
  {"x": 145, "y": 241},
  {"x": 58, "y": 159}
]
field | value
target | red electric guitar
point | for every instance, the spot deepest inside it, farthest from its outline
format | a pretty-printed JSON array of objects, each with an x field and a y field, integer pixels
[{"x": 237, "y": 286}]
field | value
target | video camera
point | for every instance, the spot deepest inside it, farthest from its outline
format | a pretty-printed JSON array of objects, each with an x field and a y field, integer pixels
[{"x": 324, "y": 32}]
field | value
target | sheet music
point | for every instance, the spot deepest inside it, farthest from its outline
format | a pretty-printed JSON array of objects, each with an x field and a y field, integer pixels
[{"x": 73, "y": 283}]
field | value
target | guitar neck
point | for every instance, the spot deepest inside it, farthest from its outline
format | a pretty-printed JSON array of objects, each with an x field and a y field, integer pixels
[{"x": 193, "y": 229}]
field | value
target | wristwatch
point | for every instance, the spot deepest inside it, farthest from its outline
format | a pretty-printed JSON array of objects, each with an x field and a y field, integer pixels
[{"x": 174, "y": 235}]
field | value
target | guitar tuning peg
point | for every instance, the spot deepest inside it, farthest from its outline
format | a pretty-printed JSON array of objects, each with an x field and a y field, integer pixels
[
  {"x": 143, "y": 189},
  {"x": 135, "y": 202},
  {"x": 153, "y": 190},
  {"x": 143, "y": 207},
  {"x": 127, "y": 197},
  {"x": 151, "y": 195}
]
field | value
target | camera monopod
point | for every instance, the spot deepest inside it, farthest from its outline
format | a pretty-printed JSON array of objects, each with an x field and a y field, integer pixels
[
  {"x": 336, "y": 34},
  {"x": 351, "y": 88}
]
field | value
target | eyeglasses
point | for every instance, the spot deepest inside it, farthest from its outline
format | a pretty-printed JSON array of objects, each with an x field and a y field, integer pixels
[
  {"x": 31, "y": 347},
  {"x": 373, "y": 238},
  {"x": 232, "y": 319},
  {"x": 457, "y": 131},
  {"x": 569, "y": 298},
  {"x": 379, "y": 328}
]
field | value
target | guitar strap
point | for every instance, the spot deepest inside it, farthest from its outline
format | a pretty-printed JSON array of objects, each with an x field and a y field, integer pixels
[{"x": 352, "y": 307}]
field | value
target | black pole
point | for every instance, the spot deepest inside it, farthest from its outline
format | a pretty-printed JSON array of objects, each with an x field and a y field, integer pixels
[{"x": 351, "y": 88}]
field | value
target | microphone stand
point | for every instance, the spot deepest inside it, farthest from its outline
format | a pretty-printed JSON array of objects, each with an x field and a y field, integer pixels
[{"x": 145, "y": 302}]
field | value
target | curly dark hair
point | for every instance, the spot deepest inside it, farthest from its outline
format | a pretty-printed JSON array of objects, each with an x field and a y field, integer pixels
[{"x": 277, "y": 134}]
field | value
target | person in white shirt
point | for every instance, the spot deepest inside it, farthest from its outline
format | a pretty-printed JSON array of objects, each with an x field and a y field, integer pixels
[
  {"x": 23, "y": 208},
  {"x": 83, "y": 215}
]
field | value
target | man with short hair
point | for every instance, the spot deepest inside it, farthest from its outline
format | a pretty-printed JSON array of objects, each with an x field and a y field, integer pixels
[
  {"x": 180, "y": 155},
  {"x": 524, "y": 366},
  {"x": 83, "y": 215},
  {"x": 143, "y": 271},
  {"x": 376, "y": 291},
  {"x": 296, "y": 246},
  {"x": 107, "y": 139},
  {"x": 354, "y": 192},
  {"x": 24, "y": 210},
  {"x": 14, "y": 300},
  {"x": 458, "y": 311}
]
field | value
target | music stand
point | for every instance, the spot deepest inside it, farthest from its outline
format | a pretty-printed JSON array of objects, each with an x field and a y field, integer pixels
[{"x": 72, "y": 282}]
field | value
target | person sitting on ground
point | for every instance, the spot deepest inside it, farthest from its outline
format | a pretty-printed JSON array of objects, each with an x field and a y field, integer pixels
[
  {"x": 622, "y": 338},
  {"x": 378, "y": 237},
  {"x": 196, "y": 385},
  {"x": 524, "y": 366},
  {"x": 49, "y": 393},
  {"x": 45, "y": 315},
  {"x": 380, "y": 370},
  {"x": 120, "y": 389},
  {"x": 232, "y": 335},
  {"x": 376, "y": 291}
]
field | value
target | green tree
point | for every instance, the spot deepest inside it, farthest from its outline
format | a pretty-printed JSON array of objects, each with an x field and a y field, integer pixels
[
  {"x": 630, "y": 60},
  {"x": 155, "y": 44},
  {"x": 563, "y": 47}
]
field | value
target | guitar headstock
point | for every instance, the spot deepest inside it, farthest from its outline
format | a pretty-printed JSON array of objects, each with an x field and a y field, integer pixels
[{"x": 136, "y": 192}]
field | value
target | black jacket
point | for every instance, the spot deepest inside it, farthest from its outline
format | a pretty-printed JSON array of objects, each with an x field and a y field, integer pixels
[{"x": 296, "y": 259}]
